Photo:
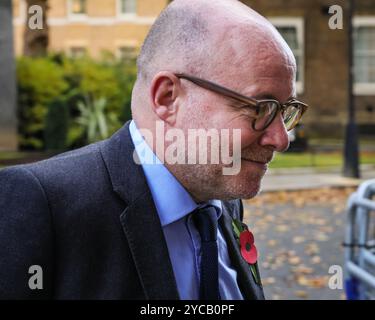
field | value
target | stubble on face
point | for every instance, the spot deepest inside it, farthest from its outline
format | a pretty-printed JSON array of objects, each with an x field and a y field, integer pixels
[{"x": 208, "y": 181}]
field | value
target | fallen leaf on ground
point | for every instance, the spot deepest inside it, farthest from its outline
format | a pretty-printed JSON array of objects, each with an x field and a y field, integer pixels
[
  {"x": 294, "y": 260},
  {"x": 282, "y": 228},
  {"x": 301, "y": 294},
  {"x": 298, "y": 239},
  {"x": 302, "y": 270},
  {"x": 312, "y": 249},
  {"x": 271, "y": 243},
  {"x": 316, "y": 260},
  {"x": 313, "y": 282},
  {"x": 268, "y": 281},
  {"x": 321, "y": 237}
]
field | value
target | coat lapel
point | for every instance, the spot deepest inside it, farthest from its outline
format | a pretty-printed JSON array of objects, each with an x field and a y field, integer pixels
[
  {"x": 140, "y": 221},
  {"x": 247, "y": 284},
  {"x": 143, "y": 230}
]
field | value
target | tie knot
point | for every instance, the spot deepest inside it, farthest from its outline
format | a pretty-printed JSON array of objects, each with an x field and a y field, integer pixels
[{"x": 205, "y": 220}]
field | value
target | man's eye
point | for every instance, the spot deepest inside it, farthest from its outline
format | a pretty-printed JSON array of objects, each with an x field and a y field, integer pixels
[
  {"x": 243, "y": 109},
  {"x": 248, "y": 110}
]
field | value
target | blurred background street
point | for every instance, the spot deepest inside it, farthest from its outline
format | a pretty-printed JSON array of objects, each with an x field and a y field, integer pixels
[{"x": 299, "y": 236}]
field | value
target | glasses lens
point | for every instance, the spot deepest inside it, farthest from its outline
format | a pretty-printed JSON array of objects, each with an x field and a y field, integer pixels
[
  {"x": 292, "y": 115},
  {"x": 266, "y": 114}
]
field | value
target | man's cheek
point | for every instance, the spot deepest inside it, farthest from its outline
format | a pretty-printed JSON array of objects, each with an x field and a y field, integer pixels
[{"x": 248, "y": 137}]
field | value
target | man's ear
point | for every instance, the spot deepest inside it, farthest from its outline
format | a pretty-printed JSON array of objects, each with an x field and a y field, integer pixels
[{"x": 165, "y": 88}]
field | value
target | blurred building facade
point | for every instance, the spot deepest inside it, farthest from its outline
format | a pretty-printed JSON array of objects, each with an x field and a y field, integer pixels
[
  {"x": 77, "y": 27},
  {"x": 120, "y": 26}
]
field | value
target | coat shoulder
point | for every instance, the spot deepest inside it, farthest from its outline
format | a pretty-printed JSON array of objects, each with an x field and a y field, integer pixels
[{"x": 26, "y": 234}]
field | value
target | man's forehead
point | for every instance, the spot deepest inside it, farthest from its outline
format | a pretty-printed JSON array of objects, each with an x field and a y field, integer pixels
[
  {"x": 280, "y": 87},
  {"x": 270, "y": 77},
  {"x": 244, "y": 44},
  {"x": 274, "y": 65},
  {"x": 245, "y": 65}
]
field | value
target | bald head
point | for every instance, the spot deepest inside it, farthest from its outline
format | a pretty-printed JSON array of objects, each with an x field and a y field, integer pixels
[
  {"x": 200, "y": 37},
  {"x": 175, "y": 39}
]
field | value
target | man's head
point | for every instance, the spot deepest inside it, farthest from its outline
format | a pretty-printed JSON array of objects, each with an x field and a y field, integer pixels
[{"x": 227, "y": 43}]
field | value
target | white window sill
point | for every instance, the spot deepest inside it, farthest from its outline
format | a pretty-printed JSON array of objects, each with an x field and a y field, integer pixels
[
  {"x": 364, "y": 89},
  {"x": 77, "y": 17},
  {"x": 299, "y": 87},
  {"x": 125, "y": 16}
]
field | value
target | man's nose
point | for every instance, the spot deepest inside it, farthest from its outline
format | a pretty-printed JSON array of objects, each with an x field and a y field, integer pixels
[{"x": 276, "y": 135}]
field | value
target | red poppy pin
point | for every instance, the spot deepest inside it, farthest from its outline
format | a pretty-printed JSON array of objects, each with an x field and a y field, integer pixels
[{"x": 248, "y": 250}]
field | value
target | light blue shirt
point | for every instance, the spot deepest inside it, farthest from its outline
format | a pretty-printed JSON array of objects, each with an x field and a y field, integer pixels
[{"x": 174, "y": 205}]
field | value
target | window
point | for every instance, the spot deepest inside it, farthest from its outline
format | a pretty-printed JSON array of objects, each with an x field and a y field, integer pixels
[
  {"x": 77, "y": 52},
  {"x": 364, "y": 55},
  {"x": 292, "y": 31},
  {"x": 126, "y": 53},
  {"x": 290, "y": 36},
  {"x": 78, "y": 7},
  {"x": 128, "y": 6}
]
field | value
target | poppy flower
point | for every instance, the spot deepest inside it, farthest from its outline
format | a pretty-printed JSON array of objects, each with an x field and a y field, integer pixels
[{"x": 248, "y": 250}]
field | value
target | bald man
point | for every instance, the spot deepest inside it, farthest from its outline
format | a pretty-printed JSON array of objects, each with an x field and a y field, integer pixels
[{"x": 127, "y": 218}]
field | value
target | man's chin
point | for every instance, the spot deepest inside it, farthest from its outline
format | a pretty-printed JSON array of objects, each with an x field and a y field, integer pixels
[
  {"x": 248, "y": 185},
  {"x": 243, "y": 191},
  {"x": 249, "y": 194}
]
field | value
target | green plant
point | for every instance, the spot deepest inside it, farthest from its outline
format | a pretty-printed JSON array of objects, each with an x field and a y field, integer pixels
[
  {"x": 94, "y": 78},
  {"x": 107, "y": 78},
  {"x": 43, "y": 80},
  {"x": 39, "y": 82},
  {"x": 96, "y": 123}
]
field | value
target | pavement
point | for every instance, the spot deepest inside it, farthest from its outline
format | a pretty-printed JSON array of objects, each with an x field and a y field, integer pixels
[
  {"x": 312, "y": 178},
  {"x": 298, "y": 235},
  {"x": 299, "y": 222}
]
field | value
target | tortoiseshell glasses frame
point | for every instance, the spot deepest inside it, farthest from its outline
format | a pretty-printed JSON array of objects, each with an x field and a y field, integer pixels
[{"x": 264, "y": 111}]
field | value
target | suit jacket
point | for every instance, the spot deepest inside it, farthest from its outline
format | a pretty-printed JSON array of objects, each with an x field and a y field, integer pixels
[{"x": 88, "y": 219}]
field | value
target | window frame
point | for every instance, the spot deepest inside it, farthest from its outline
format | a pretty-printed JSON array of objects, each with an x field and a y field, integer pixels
[
  {"x": 75, "y": 47},
  {"x": 299, "y": 24},
  {"x": 75, "y": 16},
  {"x": 119, "y": 55},
  {"x": 127, "y": 15},
  {"x": 362, "y": 88}
]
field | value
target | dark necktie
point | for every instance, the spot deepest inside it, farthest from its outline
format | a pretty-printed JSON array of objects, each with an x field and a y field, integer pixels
[{"x": 205, "y": 220}]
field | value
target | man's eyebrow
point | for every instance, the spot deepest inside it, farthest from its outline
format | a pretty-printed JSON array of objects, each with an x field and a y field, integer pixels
[
  {"x": 261, "y": 96},
  {"x": 270, "y": 96}
]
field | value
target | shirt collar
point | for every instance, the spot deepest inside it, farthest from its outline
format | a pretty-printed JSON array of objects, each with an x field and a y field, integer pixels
[{"x": 172, "y": 201}]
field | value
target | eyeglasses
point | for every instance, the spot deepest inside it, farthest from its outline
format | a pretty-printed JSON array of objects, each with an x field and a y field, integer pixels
[{"x": 262, "y": 111}]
